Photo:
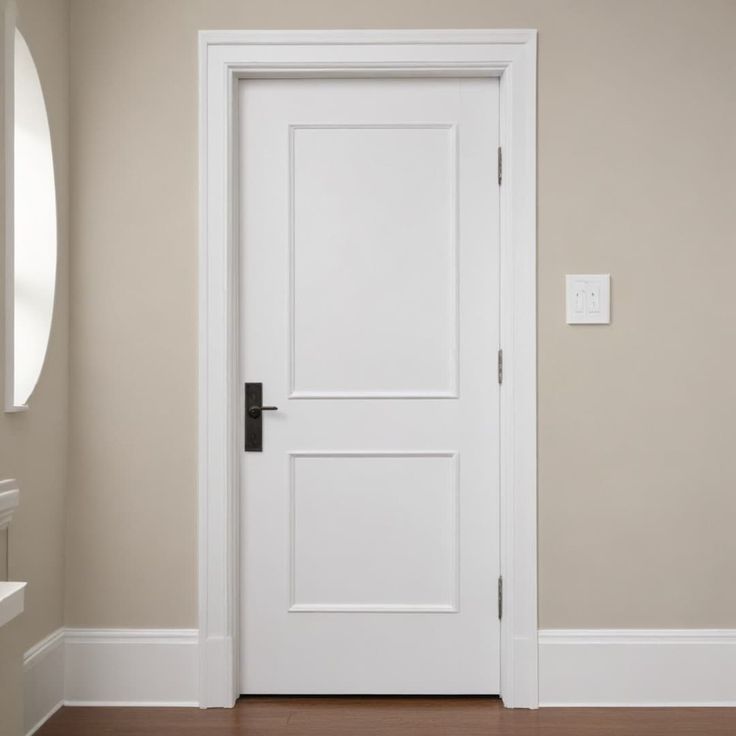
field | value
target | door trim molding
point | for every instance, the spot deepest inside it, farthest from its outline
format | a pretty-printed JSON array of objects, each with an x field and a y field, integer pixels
[{"x": 225, "y": 57}]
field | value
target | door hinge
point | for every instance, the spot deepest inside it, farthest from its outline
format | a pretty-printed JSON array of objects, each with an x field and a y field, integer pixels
[
  {"x": 500, "y": 597},
  {"x": 500, "y": 165},
  {"x": 500, "y": 367}
]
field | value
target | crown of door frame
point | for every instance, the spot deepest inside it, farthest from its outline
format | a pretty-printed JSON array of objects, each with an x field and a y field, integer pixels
[{"x": 226, "y": 56}]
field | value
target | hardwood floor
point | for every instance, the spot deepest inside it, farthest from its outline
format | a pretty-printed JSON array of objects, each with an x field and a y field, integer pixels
[{"x": 388, "y": 716}]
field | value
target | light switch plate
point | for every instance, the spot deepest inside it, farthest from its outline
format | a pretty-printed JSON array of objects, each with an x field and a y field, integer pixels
[{"x": 588, "y": 299}]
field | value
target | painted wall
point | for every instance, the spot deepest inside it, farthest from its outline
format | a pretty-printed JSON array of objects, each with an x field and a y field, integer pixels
[
  {"x": 636, "y": 158},
  {"x": 11, "y": 678},
  {"x": 34, "y": 444}
]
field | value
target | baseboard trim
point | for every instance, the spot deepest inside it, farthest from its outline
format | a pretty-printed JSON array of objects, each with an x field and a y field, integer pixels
[
  {"x": 109, "y": 667},
  {"x": 131, "y": 667},
  {"x": 130, "y": 704},
  {"x": 637, "y": 667},
  {"x": 43, "y": 681},
  {"x": 131, "y": 636},
  {"x": 44, "y": 718},
  {"x": 586, "y": 668}
]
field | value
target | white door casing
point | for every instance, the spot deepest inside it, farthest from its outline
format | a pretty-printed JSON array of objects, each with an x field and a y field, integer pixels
[
  {"x": 368, "y": 227},
  {"x": 229, "y": 56}
]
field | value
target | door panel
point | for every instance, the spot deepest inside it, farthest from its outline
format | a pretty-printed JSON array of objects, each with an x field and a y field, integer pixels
[
  {"x": 370, "y": 496},
  {"x": 368, "y": 234},
  {"x": 384, "y": 307}
]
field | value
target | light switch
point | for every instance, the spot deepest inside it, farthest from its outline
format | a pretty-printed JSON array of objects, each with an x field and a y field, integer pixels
[
  {"x": 594, "y": 298},
  {"x": 588, "y": 299}
]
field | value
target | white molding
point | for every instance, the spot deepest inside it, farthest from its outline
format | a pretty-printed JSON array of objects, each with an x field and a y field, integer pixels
[
  {"x": 637, "y": 667},
  {"x": 9, "y": 501},
  {"x": 372, "y": 37},
  {"x": 225, "y": 56},
  {"x": 43, "y": 681},
  {"x": 595, "y": 667},
  {"x": 131, "y": 667},
  {"x": 130, "y": 636},
  {"x": 33, "y": 729},
  {"x": 9, "y": 22},
  {"x": 109, "y": 667},
  {"x": 518, "y": 407}
]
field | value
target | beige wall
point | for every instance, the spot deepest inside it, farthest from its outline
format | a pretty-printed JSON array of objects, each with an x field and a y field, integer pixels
[
  {"x": 34, "y": 444},
  {"x": 11, "y": 678},
  {"x": 637, "y": 151}
]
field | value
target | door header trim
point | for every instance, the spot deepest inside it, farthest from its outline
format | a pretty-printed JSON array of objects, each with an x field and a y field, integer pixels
[{"x": 225, "y": 57}]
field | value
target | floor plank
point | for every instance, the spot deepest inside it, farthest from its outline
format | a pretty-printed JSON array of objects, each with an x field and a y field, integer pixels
[{"x": 388, "y": 716}]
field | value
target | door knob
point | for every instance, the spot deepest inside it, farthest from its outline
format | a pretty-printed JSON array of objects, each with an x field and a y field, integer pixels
[{"x": 255, "y": 411}]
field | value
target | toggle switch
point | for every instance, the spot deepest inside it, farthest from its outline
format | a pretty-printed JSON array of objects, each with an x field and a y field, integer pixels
[{"x": 588, "y": 299}]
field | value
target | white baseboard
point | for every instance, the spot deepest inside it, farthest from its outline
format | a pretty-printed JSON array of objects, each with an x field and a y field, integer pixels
[
  {"x": 589, "y": 667},
  {"x": 131, "y": 667},
  {"x": 141, "y": 667},
  {"x": 43, "y": 681},
  {"x": 637, "y": 667}
]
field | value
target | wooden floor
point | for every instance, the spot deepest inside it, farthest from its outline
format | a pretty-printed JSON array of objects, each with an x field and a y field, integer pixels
[{"x": 386, "y": 716}]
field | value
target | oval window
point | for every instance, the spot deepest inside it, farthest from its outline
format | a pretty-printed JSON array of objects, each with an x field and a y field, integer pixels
[{"x": 34, "y": 227}]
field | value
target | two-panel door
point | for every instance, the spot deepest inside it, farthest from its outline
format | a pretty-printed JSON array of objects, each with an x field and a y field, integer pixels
[{"x": 369, "y": 264}]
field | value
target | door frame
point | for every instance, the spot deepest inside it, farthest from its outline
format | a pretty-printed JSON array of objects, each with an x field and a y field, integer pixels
[{"x": 224, "y": 58}]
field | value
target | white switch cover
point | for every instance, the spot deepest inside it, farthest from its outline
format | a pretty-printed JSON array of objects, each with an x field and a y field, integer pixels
[{"x": 588, "y": 299}]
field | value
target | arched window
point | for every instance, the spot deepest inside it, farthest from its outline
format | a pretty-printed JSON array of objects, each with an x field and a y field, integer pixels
[{"x": 32, "y": 236}]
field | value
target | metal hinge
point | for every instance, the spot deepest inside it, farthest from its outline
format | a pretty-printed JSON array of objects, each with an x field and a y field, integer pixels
[
  {"x": 500, "y": 367},
  {"x": 500, "y": 597},
  {"x": 500, "y": 166}
]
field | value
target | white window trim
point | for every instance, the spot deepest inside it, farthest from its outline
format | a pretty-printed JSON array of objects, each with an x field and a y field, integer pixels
[
  {"x": 225, "y": 57},
  {"x": 9, "y": 21}
]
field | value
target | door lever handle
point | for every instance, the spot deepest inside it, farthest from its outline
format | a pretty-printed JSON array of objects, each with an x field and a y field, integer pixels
[
  {"x": 254, "y": 417},
  {"x": 255, "y": 411}
]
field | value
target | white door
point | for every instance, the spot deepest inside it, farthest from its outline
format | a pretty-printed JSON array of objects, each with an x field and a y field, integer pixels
[{"x": 369, "y": 263}]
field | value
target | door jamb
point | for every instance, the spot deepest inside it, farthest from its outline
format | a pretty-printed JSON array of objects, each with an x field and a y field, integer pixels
[{"x": 224, "y": 58}]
